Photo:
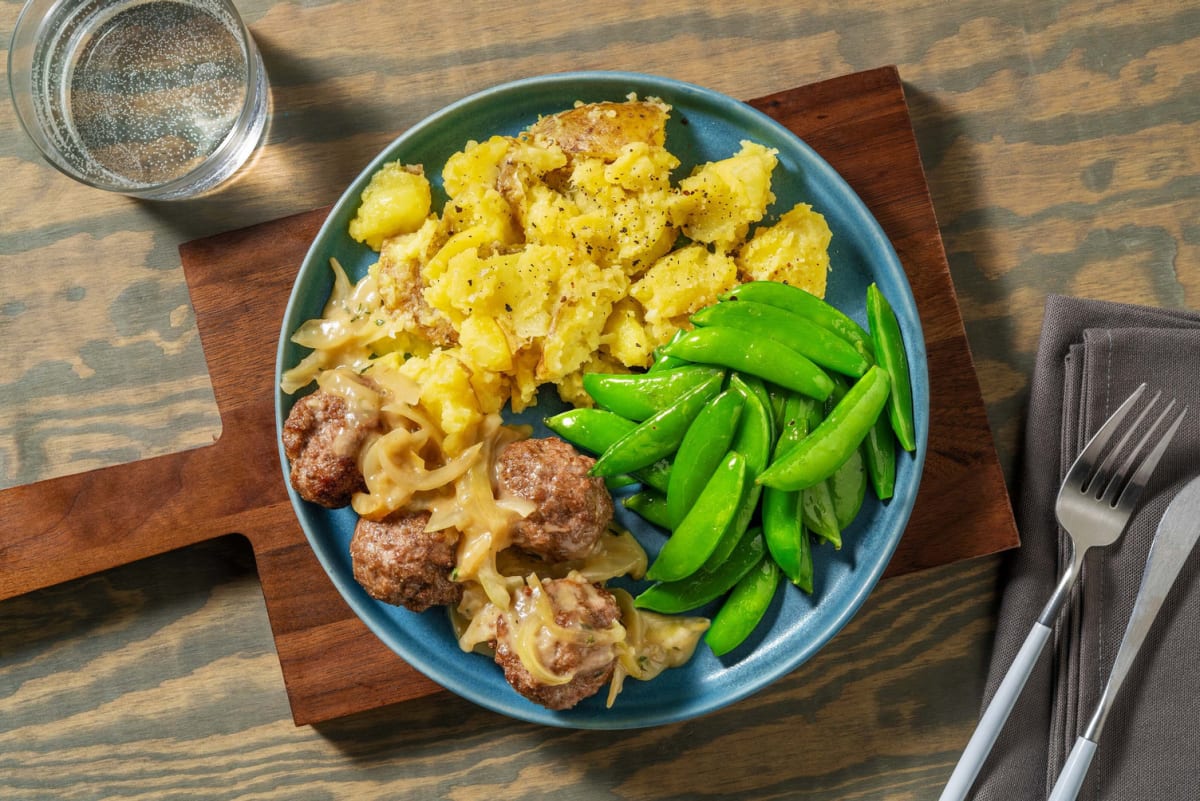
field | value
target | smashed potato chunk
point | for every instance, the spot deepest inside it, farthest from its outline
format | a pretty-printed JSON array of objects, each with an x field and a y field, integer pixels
[
  {"x": 721, "y": 199},
  {"x": 601, "y": 130},
  {"x": 681, "y": 282},
  {"x": 396, "y": 201},
  {"x": 794, "y": 250}
]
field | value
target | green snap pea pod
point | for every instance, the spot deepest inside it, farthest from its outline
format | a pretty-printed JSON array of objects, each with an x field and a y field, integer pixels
[
  {"x": 657, "y": 475},
  {"x": 702, "y": 449},
  {"x": 808, "y": 305},
  {"x": 744, "y": 608},
  {"x": 801, "y": 334},
  {"x": 755, "y": 385},
  {"x": 889, "y": 350},
  {"x": 595, "y": 430},
  {"x": 816, "y": 502},
  {"x": 848, "y": 484},
  {"x": 659, "y": 435},
  {"x": 694, "y": 539},
  {"x": 778, "y": 397},
  {"x": 651, "y": 506},
  {"x": 765, "y": 358},
  {"x": 617, "y": 482},
  {"x": 848, "y": 489},
  {"x": 672, "y": 597},
  {"x": 782, "y": 518},
  {"x": 816, "y": 508},
  {"x": 664, "y": 362},
  {"x": 786, "y": 535},
  {"x": 880, "y": 451},
  {"x": 636, "y": 396},
  {"x": 817, "y": 456},
  {"x": 754, "y": 440}
]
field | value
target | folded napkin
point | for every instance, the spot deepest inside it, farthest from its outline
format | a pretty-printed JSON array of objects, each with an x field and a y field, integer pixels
[{"x": 1091, "y": 356}]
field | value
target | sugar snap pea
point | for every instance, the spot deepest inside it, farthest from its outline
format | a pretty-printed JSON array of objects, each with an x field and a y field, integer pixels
[
  {"x": 880, "y": 452},
  {"x": 889, "y": 350},
  {"x": 786, "y": 535},
  {"x": 818, "y": 455},
  {"x": 816, "y": 502},
  {"x": 595, "y": 430},
  {"x": 659, "y": 435},
  {"x": 848, "y": 484},
  {"x": 822, "y": 346},
  {"x": 848, "y": 488},
  {"x": 782, "y": 520},
  {"x": 816, "y": 508},
  {"x": 651, "y": 506},
  {"x": 805, "y": 304},
  {"x": 636, "y": 396},
  {"x": 694, "y": 539},
  {"x": 664, "y": 362},
  {"x": 672, "y": 597},
  {"x": 703, "y": 446},
  {"x": 764, "y": 358},
  {"x": 754, "y": 440},
  {"x": 743, "y": 610}
]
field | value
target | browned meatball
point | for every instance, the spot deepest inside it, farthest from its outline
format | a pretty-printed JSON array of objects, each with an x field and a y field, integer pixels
[
  {"x": 398, "y": 562},
  {"x": 573, "y": 508},
  {"x": 321, "y": 440},
  {"x": 587, "y": 612}
]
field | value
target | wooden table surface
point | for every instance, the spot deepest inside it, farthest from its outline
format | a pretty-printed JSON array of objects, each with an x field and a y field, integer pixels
[{"x": 1062, "y": 148}]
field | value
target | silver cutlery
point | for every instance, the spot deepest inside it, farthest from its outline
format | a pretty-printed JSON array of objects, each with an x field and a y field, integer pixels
[
  {"x": 1173, "y": 541},
  {"x": 1093, "y": 507}
]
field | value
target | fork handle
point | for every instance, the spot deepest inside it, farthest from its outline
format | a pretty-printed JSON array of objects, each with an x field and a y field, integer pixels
[
  {"x": 1066, "y": 787},
  {"x": 992, "y": 721}
]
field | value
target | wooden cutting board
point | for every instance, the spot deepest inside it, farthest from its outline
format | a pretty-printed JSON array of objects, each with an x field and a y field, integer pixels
[{"x": 74, "y": 526}]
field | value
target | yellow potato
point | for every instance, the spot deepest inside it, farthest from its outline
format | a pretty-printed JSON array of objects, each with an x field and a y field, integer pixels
[
  {"x": 794, "y": 250},
  {"x": 684, "y": 281},
  {"x": 600, "y": 130},
  {"x": 396, "y": 201},
  {"x": 721, "y": 199}
]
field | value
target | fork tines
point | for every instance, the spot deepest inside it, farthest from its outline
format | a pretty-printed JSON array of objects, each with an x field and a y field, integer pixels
[{"x": 1121, "y": 487}]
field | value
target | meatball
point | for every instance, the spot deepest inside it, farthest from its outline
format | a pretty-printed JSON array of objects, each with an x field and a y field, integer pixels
[
  {"x": 321, "y": 439},
  {"x": 585, "y": 612},
  {"x": 573, "y": 508},
  {"x": 398, "y": 562}
]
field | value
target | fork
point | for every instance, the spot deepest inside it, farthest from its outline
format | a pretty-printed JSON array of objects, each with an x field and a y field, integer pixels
[{"x": 1093, "y": 507}]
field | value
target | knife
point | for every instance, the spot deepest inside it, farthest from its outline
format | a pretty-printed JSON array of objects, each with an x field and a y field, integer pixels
[{"x": 1173, "y": 541}]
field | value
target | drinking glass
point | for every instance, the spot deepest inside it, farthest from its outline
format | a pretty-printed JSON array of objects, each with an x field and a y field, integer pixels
[{"x": 157, "y": 99}]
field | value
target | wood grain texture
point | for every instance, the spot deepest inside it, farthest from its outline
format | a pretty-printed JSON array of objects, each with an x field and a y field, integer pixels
[
  {"x": 1060, "y": 148},
  {"x": 239, "y": 282}
]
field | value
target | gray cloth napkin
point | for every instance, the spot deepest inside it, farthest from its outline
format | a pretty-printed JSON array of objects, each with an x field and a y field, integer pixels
[{"x": 1091, "y": 356}]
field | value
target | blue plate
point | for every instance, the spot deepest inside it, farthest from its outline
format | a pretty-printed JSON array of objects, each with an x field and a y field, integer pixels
[{"x": 704, "y": 126}]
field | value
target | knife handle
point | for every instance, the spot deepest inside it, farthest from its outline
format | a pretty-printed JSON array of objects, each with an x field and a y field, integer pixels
[
  {"x": 994, "y": 717},
  {"x": 1066, "y": 788}
]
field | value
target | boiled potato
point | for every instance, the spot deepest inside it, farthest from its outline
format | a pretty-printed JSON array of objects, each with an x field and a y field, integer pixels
[
  {"x": 794, "y": 250},
  {"x": 684, "y": 281},
  {"x": 601, "y": 130},
  {"x": 720, "y": 200},
  {"x": 396, "y": 201}
]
